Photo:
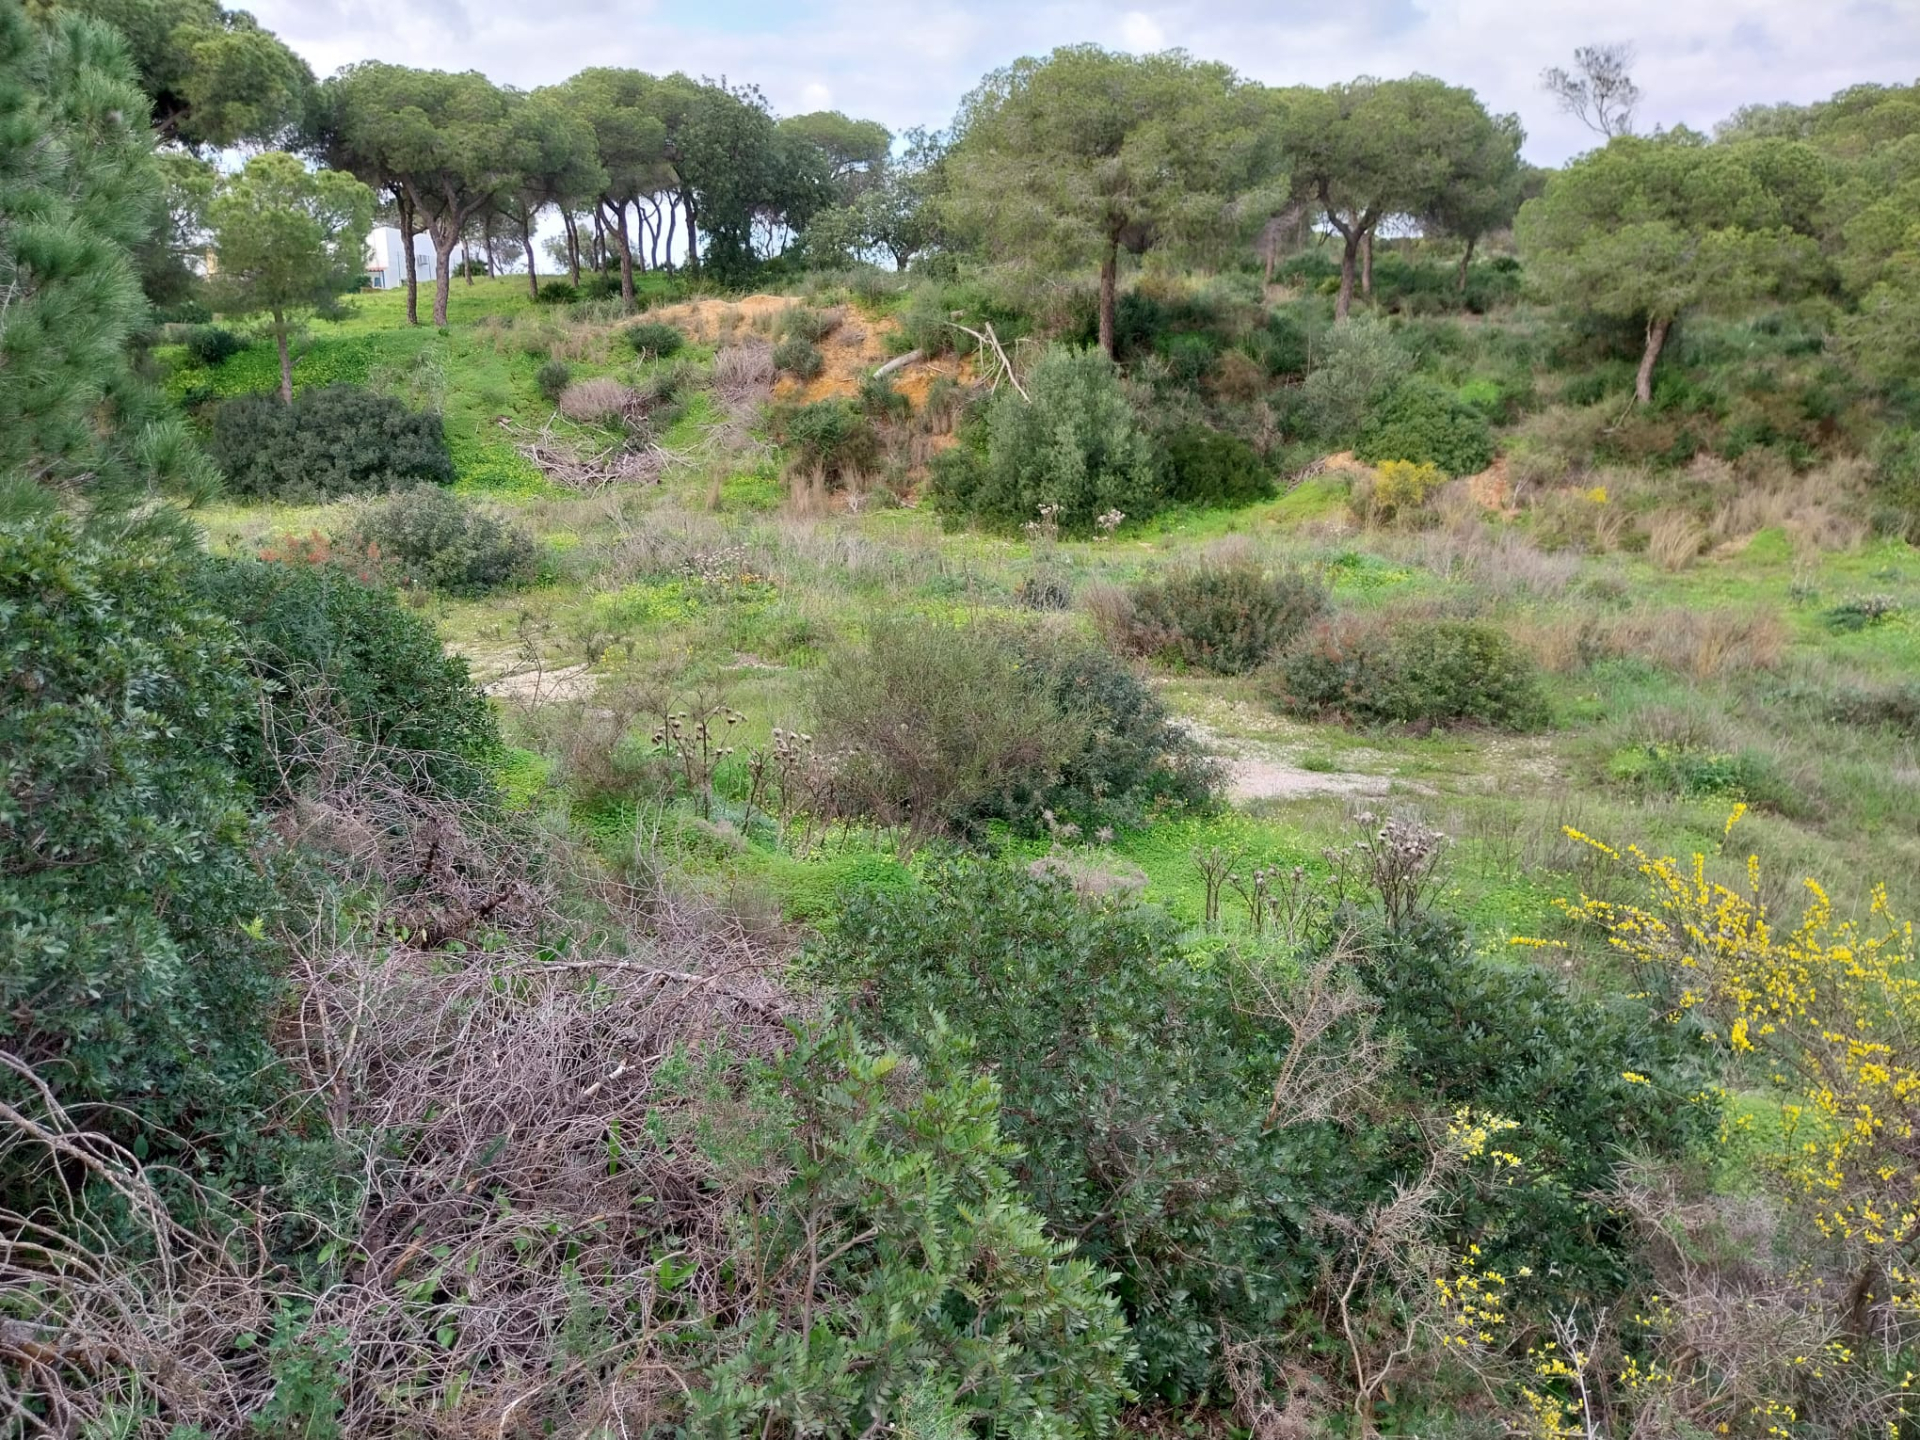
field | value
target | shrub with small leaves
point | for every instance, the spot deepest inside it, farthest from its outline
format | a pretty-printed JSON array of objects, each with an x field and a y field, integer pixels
[
  {"x": 1211, "y": 467},
  {"x": 434, "y": 538},
  {"x": 209, "y": 344},
  {"x": 802, "y": 322},
  {"x": 337, "y": 440},
  {"x": 553, "y": 378},
  {"x": 654, "y": 339},
  {"x": 1395, "y": 490},
  {"x": 1387, "y": 671},
  {"x": 558, "y": 292},
  {"x": 798, "y": 357},
  {"x": 880, "y": 400},
  {"x": 1427, "y": 423},
  {"x": 1228, "y": 619},
  {"x": 834, "y": 435}
]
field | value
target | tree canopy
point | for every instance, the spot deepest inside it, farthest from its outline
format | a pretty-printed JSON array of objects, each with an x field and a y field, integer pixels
[
  {"x": 1078, "y": 156},
  {"x": 289, "y": 239}
]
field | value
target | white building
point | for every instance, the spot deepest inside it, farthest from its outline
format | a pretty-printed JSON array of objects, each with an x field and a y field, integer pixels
[{"x": 387, "y": 258}]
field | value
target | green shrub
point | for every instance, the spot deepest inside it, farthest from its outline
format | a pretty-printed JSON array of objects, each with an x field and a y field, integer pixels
[
  {"x": 1510, "y": 1039},
  {"x": 558, "y": 292},
  {"x": 435, "y": 538},
  {"x": 600, "y": 287},
  {"x": 1228, "y": 619},
  {"x": 798, "y": 357},
  {"x": 1281, "y": 345},
  {"x": 314, "y": 634},
  {"x": 1375, "y": 670},
  {"x": 209, "y": 344},
  {"x": 835, "y": 435},
  {"x": 880, "y": 400},
  {"x": 801, "y": 322},
  {"x": 1427, "y": 424},
  {"x": 337, "y": 440},
  {"x": 925, "y": 1297},
  {"x": 1076, "y": 444},
  {"x": 654, "y": 339},
  {"x": 1211, "y": 467},
  {"x": 1189, "y": 356},
  {"x": 1895, "y": 492},
  {"x": 136, "y": 981},
  {"x": 553, "y": 378},
  {"x": 1360, "y": 363},
  {"x": 940, "y": 726}
]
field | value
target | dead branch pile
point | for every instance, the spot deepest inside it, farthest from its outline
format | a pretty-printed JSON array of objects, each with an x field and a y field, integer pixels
[
  {"x": 514, "y": 1221},
  {"x": 630, "y": 459}
]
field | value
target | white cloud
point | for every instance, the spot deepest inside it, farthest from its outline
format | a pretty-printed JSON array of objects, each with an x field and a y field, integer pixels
[
  {"x": 1141, "y": 33},
  {"x": 815, "y": 96},
  {"x": 1699, "y": 59}
]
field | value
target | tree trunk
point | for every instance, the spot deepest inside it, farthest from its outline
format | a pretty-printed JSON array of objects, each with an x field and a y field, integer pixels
[
  {"x": 413, "y": 267},
  {"x": 673, "y": 224},
  {"x": 1656, "y": 338},
  {"x": 1349, "y": 254},
  {"x": 572, "y": 226},
  {"x": 1366, "y": 264},
  {"x": 599, "y": 242},
  {"x": 286, "y": 359},
  {"x": 693, "y": 233},
  {"x": 1109, "y": 276},
  {"x": 533, "y": 265},
  {"x": 486, "y": 239},
  {"x": 444, "y": 239},
  {"x": 619, "y": 234},
  {"x": 1465, "y": 261}
]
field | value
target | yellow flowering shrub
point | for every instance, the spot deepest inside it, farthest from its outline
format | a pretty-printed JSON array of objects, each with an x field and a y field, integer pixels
[{"x": 1395, "y": 488}]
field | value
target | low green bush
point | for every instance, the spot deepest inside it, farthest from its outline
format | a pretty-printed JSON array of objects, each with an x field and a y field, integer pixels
[
  {"x": 654, "y": 339},
  {"x": 553, "y": 378},
  {"x": 880, "y": 400},
  {"x": 557, "y": 292},
  {"x": 1427, "y": 424},
  {"x": 1211, "y": 467},
  {"x": 1359, "y": 364},
  {"x": 320, "y": 640},
  {"x": 1894, "y": 495},
  {"x": 802, "y": 322},
  {"x": 1227, "y": 619},
  {"x": 333, "y": 441},
  {"x": 1075, "y": 443},
  {"x": 834, "y": 435},
  {"x": 600, "y": 287},
  {"x": 799, "y": 357},
  {"x": 1386, "y": 671},
  {"x": 209, "y": 344},
  {"x": 434, "y": 538},
  {"x": 138, "y": 981}
]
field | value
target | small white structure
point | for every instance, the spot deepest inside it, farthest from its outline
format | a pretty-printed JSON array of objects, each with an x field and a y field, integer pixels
[{"x": 387, "y": 258}]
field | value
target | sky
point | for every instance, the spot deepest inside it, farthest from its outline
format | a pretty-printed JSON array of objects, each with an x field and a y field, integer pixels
[{"x": 909, "y": 64}]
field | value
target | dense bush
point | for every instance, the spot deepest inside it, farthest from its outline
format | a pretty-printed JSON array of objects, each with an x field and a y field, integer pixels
[
  {"x": 1228, "y": 619},
  {"x": 136, "y": 981},
  {"x": 432, "y": 537},
  {"x": 802, "y": 322},
  {"x": 834, "y": 435},
  {"x": 921, "y": 1288},
  {"x": 1895, "y": 496},
  {"x": 1210, "y": 467},
  {"x": 558, "y": 292},
  {"x": 1076, "y": 444},
  {"x": 1396, "y": 490},
  {"x": 553, "y": 378},
  {"x": 799, "y": 357},
  {"x": 209, "y": 344},
  {"x": 1426, "y": 423},
  {"x": 323, "y": 643},
  {"x": 1281, "y": 345},
  {"x": 1375, "y": 670},
  {"x": 654, "y": 339},
  {"x": 337, "y": 440},
  {"x": 944, "y": 726},
  {"x": 1360, "y": 363}
]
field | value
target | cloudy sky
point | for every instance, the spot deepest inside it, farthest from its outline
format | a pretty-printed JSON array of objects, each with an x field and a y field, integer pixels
[{"x": 909, "y": 63}]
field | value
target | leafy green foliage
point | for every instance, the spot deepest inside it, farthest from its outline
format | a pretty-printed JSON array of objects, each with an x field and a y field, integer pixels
[
  {"x": 1401, "y": 672},
  {"x": 558, "y": 292},
  {"x": 654, "y": 339},
  {"x": 932, "y": 1298},
  {"x": 552, "y": 378},
  {"x": 1361, "y": 363},
  {"x": 137, "y": 983},
  {"x": 435, "y": 538},
  {"x": 834, "y": 435},
  {"x": 1211, "y": 467},
  {"x": 211, "y": 345},
  {"x": 336, "y": 440},
  {"x": 1075, "y": 444},
  {"x": 314, "y": 635},
  {"x": 1228, "y": 619},
  {"x": 78, "y": 188},
  {"x": 799, "y": 357},
  {"x": 803, "y": 322},
  {"x": 1425, "y": 423},
  {"x": 1518, "y": 1042}
]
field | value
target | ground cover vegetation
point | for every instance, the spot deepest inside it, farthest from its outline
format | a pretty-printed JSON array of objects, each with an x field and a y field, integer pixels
[{"x": 1042, "y": 803}]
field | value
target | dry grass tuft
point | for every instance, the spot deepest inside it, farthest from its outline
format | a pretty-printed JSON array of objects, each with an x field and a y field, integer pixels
[{"x": 598, "y": 400}]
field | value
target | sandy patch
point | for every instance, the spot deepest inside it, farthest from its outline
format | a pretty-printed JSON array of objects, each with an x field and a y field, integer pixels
[
  {"x": 1249, "y": 780},
  {"x": 544, "y": 687}
]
